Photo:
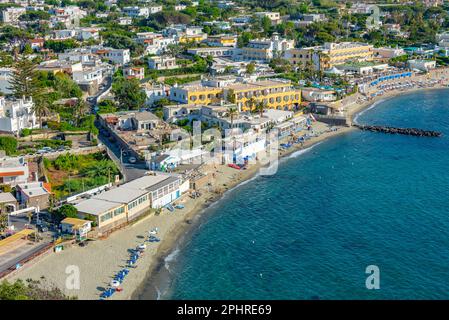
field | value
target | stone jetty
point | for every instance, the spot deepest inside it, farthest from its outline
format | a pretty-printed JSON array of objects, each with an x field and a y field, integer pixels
[{"x": 405, "y": 131}]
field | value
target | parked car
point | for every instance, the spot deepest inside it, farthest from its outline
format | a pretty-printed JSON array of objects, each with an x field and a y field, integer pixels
[
  {"x": 83, "y": 243},
  {"x": 42, "y": 228}
]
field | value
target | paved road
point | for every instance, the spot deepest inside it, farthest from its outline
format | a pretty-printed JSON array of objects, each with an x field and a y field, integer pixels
[
  {"x": 10, "y": 259},
  {"x": 130, "y": 171},
  {"x": 18, "y": 221},
  {"x": 93, "y": 100}
]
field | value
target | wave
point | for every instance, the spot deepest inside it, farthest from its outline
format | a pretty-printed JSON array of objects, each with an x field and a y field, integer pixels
[
  {"x": 375, "y": 104},
  {"x": 171, "y": 257},
  {"x": 159, "y": 293},
  {"x": 302, "y": 151}
]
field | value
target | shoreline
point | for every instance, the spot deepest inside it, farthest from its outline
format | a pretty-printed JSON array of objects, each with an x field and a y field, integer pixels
[
  {"x": 178, "y": 241},
  {"x": 153, "y": 274},
  {"x": 104, "y": 257}
]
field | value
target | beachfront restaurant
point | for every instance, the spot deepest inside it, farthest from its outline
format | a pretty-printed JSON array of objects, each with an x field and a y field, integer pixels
[
  {"x": 125, "y": 203},
  {"x": 106, "y": 214},
  {"x": 291, "y": 126},
  {"x": 115, "y": 207},
  {"x": 162, "y": 188},
  {"x": 78, "y": 227},
  {"x": 135, "y": 201}
]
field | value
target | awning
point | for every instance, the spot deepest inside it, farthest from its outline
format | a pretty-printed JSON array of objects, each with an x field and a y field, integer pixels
[
  {"x": 12, "y": 174},
  {"x": 17, "y": 236}
]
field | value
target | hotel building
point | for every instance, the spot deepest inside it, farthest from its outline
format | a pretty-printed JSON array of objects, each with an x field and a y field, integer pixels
[
  {"x": 275, "y": 94},
  {"x": 334, "y": 54},
  {"x": 266, "y": 49}
]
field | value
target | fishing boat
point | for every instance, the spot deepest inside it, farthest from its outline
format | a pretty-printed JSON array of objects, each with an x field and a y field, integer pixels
[
  {"x": 142, "y": 246},
  {"x": 179, "y": 206},
  {"x": 153, "y": 231},
  {"x": 170, "y": 207}
]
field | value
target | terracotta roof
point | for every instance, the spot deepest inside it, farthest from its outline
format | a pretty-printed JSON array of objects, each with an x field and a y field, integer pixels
[{"x": 12, "y": 173}]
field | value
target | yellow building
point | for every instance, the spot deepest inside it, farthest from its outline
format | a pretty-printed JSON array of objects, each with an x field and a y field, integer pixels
[
  {"x": 303, "y": 58},
  {"x": 275, "y": 94},
  {"x": 339, "y": 53},
  {"x": 222, "y": 40},
  {"x": 196, "y": 94},
  {"x": 193, "y": 38}
]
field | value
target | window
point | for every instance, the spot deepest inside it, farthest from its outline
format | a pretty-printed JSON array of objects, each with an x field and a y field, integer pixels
[
  {"x": 132, "y": 204},
  {"x": 119, "y": 211},
  {"x": 106, "y": 216}
]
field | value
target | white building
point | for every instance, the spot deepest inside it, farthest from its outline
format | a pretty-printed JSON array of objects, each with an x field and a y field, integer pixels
[
  {"x": 244, "y": 147},
  {"x": 162, "y": 63},
  {"x": 421, "y": 65},
  {"x": 318, "y": 95},
  {"x": 5, "y": 76},
  {"x": 135, "y": 12},
  {"x": 156, "y": 92},
  {"x": 278, "y": 116},
  {"x": 275, "y": 17},
  {"x": 118, "y": 56},
  {"x": 89, "y": 75},
  {"x": 64, "y": 34},
  {"x": 387, "y": 53},
  {"x": 11, "y": 15},
  {"x": 16, "y": 115},
  {"x": 125, "y": 21},
  {"x": 154, "y": 9},
  {"x": 69, "y": 16},
  {"x": 82, "y": 34},
  {"x": 134, "y": 73},
  {"x": 155, "y": 43},
  {"x": 83, "y": 55},
  {"x": 180, "y": 7},
  {"x": 266, "y": 49},
  {"x": 215, "y": 52},
  {"x": 13, "y": 171},
  {"x": 127, "y": 202}
]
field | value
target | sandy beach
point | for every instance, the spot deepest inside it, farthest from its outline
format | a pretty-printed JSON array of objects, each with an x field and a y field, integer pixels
[{"x": 102, "y": 259}]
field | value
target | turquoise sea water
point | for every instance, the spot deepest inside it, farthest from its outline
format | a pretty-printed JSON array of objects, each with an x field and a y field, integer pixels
[{"x": 310, "y": 231}]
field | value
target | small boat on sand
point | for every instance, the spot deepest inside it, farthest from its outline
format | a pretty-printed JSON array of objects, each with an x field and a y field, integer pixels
[
  {"x": 153, "y": 239},
  {"x": 179, "y": 206},
  {"x": 170, "y": 207},
  {"x": 115, "y": 283}
]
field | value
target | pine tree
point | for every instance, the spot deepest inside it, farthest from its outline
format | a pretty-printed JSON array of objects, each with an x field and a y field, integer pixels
[{"x": 24, "y": 81}]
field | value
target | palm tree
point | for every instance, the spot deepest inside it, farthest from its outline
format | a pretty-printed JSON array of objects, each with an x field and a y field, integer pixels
[
  {"x": 251, "y": 103},
  {"x": 3, "y": 218},
  {"x": 41, "y": 108},
  {"x": 260, "y": 106},
  {"x": 80, "y": 110},
  {"x": 232, "y": 113}
]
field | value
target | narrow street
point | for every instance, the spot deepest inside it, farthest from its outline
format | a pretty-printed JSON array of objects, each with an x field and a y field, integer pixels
[{"x": 130, "y": 171}]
